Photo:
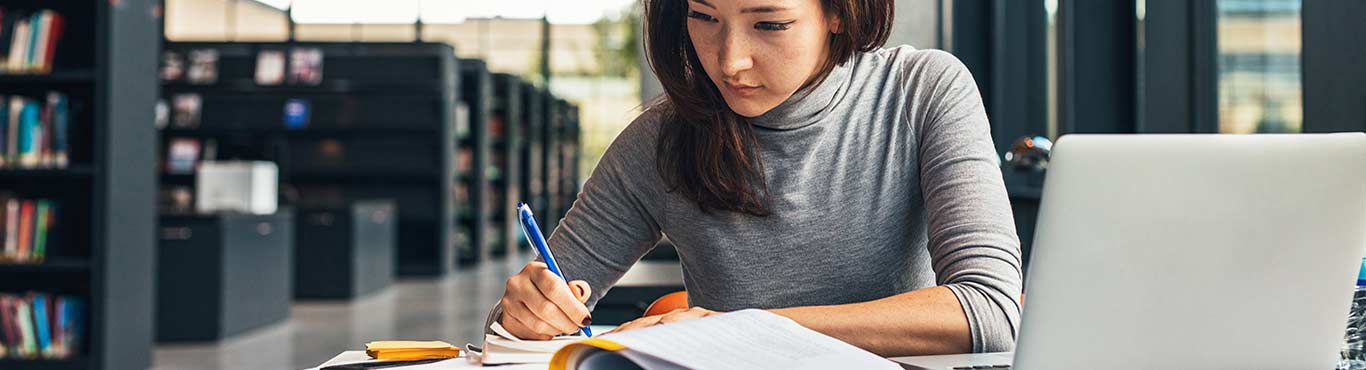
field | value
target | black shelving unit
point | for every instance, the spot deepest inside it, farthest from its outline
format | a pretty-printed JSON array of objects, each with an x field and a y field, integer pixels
[
  {"x": 476, "y": 92},
  {"x": 505, "y": 133},
  {"x": 381, "y": 124},
  {"x": 532, "y": 152},
  {"x": 103, "y": 247},
  {"x": 547, "y": 214},
  {"x": 570, "y": 151}
]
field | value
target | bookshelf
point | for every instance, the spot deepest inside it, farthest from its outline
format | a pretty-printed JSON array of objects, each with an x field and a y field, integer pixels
[
  {"x": 505, "y": 133},
  {"x": 532, "y": 160},
  {"x": 101, "y": 246},
  {"x": 570, "y": 152},
  {"x": 379, "y": 122},
  {"x": 476, "y": 92}
]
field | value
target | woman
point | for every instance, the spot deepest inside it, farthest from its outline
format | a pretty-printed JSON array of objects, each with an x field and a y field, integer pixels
[{"x": 800, "y": 169}]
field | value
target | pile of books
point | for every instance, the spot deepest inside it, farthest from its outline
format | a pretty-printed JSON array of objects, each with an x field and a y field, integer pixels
[
  {"x": 40, "y": 325},
  {"x": 26, "y": 231},
  {"x": 34, "y": 134},
  {"x": 28, "y": 41}
]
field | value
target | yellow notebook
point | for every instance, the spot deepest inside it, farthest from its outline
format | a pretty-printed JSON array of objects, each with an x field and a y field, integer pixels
[
  {"x": 747, "y": 339},
  {"x": 402, "y": 350}
]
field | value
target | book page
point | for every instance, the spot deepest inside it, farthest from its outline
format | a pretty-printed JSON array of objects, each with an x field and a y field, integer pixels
[{"x": 747, "y": 339}]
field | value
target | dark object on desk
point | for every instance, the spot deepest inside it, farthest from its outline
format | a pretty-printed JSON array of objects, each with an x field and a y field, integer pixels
[
  {"x": 382, "y": 364},
  {"x": 1029, "y": 153},
  {"x": 632, "y": 295},
  {"x": 222, "y": 274},
  {"x": 342, "y": 252}
]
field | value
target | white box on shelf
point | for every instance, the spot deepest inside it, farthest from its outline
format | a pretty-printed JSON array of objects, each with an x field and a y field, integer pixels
[{"x": 238, "y": 186}]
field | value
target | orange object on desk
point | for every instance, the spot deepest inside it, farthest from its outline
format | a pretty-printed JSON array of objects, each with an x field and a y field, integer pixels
[{"x": 668, "y": 302}]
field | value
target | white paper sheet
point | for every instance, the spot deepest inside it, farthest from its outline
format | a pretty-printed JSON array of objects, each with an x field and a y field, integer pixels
[{"x": 747, "y": 339}]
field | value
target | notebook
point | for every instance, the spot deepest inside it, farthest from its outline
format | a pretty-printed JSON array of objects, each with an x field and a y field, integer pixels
[{"x": 746, "y": 339}]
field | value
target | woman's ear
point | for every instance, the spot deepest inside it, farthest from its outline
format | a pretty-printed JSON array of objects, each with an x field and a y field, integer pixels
[{"x": 833, "y": 21}]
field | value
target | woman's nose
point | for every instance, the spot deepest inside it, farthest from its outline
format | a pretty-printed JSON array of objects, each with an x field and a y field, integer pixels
[{"x": 735, "y": 54}]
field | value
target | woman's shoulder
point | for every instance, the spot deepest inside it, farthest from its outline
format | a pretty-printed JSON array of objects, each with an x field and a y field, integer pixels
[
  {"x": 635, "y": 146},
  {"x": 914, "y": 68}
]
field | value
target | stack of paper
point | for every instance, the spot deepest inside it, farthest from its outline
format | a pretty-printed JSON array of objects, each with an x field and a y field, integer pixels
[
  {"x": 402, "y": 350},
  {"x": 505, "y": 348}
]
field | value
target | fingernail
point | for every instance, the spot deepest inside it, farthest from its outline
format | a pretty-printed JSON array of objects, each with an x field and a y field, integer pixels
[{"x": 587, "y": 321}]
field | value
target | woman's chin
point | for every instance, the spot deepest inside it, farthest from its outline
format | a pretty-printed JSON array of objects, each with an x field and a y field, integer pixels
[{"x": 749, "y": 108}]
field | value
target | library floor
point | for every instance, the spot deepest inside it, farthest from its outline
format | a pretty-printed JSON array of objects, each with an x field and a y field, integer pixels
[{"x": 450, "y": 309}]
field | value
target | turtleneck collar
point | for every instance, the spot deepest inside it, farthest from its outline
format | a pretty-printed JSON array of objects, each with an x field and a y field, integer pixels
[{"x": 808, "y": 105}]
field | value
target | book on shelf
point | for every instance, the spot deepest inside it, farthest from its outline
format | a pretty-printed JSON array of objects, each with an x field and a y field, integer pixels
[
  {"x": 172, "y": 66},
  {"x": 203, "y": 67},
  {"x": 182, "y": 154},
  {"x": 296, "y": 113},
  {"x": 28, "y": 40},
  {"x": 270, "y": 67},
  {"x": 33, "y": 133},
  {"x": 306, "y": 66},
  {"x": 186, "y": 110},
  {"x": 40, "y": 325},
  {"x": 27, "y": 229}
]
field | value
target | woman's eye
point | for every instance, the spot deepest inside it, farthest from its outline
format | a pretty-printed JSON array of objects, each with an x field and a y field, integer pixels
[
  {"x": 773, "y": 26},
  {"x": 700, "y": 16}
]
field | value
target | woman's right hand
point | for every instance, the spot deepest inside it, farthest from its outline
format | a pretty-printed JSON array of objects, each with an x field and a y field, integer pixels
[{"x": 537, "y": 305}]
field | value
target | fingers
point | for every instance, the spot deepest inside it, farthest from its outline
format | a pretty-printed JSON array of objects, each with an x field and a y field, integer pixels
[
  {"x": 677, "y": 315},
  {"x": 689, "y": 314},
  {"x": 536, "y": 300},
  {"x": 582, "y": 291},
  {"x": 646, "y": 321},
  {"x": 557, "y": 293},
  {"x": 521, "y": 323}
]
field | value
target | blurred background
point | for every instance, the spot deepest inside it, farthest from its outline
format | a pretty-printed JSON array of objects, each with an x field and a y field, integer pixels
[{"x": 253, "y": 184}]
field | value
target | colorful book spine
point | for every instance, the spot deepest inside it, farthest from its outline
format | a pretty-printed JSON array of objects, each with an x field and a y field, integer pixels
[
  {"x": 41, "y": 325},
  {"x": 42, "y": 221},
  {"x": 25, "y": 229}
]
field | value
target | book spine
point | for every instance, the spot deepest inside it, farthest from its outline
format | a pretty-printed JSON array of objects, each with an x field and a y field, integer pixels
[
  {"x": 40, "y": 42},
  {"x": 41, "y": 325},
  {"x": 43, "y": 219},
  {"x": 61, "y": 121},
  {"x": 35, "y": 24},
  {"x": 4, "y": 129},
  {"x": 12, "y": 227},
  {"x": 55, "y": 31},
  {"x": 24, "y": 315},
  {"x": 58, "y": 316},
  {"x": 6, "y": 334},
  {"x": 6, "y": 254},
  {"x": 42, "y": 140},
  {"x": 16, "y": 50},
  {"x": 16, "y": 103},
  {"x": 31, "y": 134}
]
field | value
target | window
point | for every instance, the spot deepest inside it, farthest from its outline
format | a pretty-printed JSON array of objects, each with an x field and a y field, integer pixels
[{"x": 1259, "y": 66}]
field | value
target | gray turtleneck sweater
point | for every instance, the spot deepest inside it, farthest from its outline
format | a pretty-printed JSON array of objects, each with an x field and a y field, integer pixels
[{"x": 882, "y": 180}]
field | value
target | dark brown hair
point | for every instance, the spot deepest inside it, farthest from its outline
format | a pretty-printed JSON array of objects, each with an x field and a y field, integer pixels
[{"x": 705, "y": 150}]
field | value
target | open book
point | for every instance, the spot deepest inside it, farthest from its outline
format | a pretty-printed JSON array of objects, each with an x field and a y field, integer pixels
[{"x": 747, "y": 339}]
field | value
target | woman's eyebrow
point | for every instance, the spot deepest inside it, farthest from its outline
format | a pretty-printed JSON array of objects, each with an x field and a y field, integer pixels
[{"x": 753, "y": 9}]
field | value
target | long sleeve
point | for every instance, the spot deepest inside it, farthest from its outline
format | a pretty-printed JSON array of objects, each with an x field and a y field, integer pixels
[
  {"x": 973, "y": 245},
  {"x": 613, "y": 223}
]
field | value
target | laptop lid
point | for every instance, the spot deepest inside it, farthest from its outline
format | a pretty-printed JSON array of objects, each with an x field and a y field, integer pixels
[{"x": 1195, "y": 252}]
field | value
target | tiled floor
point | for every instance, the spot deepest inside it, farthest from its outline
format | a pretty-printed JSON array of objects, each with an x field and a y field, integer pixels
[{"x": 450, "y": 309}]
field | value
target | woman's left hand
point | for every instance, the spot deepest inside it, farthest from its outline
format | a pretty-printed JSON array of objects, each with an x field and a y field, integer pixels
[{"x": 677, "y": 315}]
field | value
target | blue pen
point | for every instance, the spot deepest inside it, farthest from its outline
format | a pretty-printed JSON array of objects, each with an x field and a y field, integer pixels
[{"x": 533, "y": 236}]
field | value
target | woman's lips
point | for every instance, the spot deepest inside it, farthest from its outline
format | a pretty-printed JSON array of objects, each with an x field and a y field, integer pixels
[{"x": 742, "y": 89}]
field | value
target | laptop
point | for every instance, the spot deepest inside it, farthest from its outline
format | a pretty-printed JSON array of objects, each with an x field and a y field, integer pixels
[{"x": 1190, "y": 252}]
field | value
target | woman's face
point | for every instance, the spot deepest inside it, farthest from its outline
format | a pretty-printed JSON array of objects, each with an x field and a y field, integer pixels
[{"x": 758, "y": 52}]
